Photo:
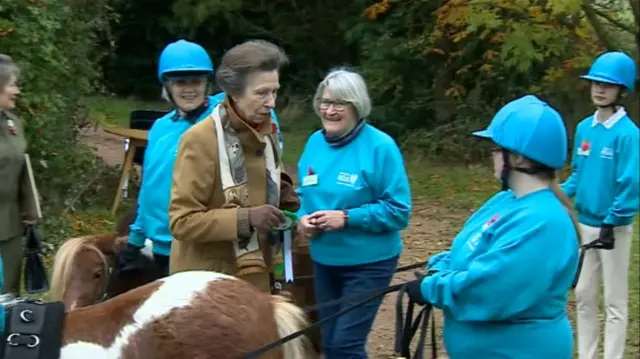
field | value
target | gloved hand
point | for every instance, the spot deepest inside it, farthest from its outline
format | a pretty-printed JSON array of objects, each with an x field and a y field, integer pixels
[
  {"x": 414, "y": 291},
  {"x": 129, "y": 258},
  {"x": 606, "y": 239},
  {"x": 264, "y": 217}
]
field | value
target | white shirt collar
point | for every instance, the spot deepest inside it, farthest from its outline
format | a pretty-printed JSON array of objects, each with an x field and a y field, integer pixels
[{"x": 617, "y": 116}]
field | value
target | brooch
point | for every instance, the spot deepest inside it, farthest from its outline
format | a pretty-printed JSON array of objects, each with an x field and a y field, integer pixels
[{"x": 12, "y": 127}]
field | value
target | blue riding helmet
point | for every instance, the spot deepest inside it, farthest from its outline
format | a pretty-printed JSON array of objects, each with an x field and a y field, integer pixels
[
  {"x": 183, "y": 56},
  {"x": 615, "y": 68},
  {"x": 531, "y": 128}
]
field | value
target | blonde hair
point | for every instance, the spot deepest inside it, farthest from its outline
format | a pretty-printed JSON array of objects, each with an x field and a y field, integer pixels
[
  {"x": 566, "y": 202},
  {"x": 552, "y": 175}
]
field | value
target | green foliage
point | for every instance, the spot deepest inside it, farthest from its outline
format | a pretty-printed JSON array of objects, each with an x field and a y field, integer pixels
[
  {"x": 466, "y": 59},
  {"x": 57, "y": 44},
  {"x": 301, "y": 28},
  {"x": 436, "y": 69}
]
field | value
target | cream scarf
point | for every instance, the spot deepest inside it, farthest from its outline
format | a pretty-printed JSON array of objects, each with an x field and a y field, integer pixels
[{"x": 233, "y": 174}]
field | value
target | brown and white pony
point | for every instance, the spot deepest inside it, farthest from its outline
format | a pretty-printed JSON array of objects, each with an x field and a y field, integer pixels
[
  {"x": 84, "y": 270},
  {"x": 195, "y": 314}
]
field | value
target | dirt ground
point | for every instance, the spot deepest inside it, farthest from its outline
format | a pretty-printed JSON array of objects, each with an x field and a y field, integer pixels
[{"x": 430, "y": 231}]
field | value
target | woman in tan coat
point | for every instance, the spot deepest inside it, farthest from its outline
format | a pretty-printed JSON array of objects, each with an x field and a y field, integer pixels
[
  {"x": 228, "y": 183},
  {"x": 16, "y": 206}
]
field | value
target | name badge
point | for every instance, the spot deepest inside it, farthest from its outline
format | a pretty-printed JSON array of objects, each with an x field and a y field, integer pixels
[{"x": 310, "y": 180}]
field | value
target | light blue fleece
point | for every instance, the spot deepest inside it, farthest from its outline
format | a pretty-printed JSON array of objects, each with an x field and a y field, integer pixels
[
  {"x": 606, "y": 171},
  {"x": 152, "y": 219},
  {"x": 367, "y": 178},
  {"x": 504, "y": 285}
]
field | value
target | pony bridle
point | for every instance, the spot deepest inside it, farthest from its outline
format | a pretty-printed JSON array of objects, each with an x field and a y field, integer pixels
[{"x": 110, "y": 282}]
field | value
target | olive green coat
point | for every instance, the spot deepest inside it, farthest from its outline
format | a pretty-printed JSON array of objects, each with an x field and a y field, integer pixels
[{"x": 15, "y": 192}]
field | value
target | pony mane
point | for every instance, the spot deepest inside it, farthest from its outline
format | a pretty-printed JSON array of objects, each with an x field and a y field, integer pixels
[
  {"x": 64, "y": 261},
  {"x": 290, "y": 318}
]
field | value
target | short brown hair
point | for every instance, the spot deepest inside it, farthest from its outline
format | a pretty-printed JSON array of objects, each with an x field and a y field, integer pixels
[{"x": 245, "y": 59}]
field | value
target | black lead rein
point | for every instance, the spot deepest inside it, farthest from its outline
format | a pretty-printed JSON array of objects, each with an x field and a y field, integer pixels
[
  {"x": 583, "y": 249},
  {"x": 406, "y": 332},
  {"x": 367, "y": 298},
  {"x": 362, "y": 299}
]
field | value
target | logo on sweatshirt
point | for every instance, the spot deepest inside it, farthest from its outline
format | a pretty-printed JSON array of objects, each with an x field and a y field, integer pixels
[
  {"x": 347, "y": 179},
  {"x": 473, "y": 242},
  {"x": 606, "y": 153},
  {"x": 585, "y": 148}
]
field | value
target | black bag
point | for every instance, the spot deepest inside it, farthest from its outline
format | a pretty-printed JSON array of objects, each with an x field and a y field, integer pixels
[{"x": 35, "y": 273}]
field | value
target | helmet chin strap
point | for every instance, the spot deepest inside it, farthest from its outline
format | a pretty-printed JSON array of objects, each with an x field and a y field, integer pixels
[{"x": 507, "y": 167}]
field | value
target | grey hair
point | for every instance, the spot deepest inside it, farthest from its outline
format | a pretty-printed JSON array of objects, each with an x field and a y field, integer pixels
[
  {"x": 347, "y": 86},
  {"x": 8, "y": 70}
]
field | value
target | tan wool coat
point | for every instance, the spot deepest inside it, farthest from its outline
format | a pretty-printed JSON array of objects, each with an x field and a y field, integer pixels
[{"x": 203, "y": 227}]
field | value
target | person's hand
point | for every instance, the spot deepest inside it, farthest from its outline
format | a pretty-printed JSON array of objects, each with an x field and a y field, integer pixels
[
  {"x": 264, "y": 217},
  {"x": 414, "y": 289},
  {"x": 306, "y": 228},
  {"x": 605, "y": 239},
  {"x": 129, "y": 258},
  {"x": 27, "y": 220},
  {"x": 328, "y": 220}
]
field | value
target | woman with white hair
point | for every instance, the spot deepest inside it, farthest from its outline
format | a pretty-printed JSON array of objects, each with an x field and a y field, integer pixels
[
  {"x": 16, "y": 207},
  {"x": 355, "y": 199}
]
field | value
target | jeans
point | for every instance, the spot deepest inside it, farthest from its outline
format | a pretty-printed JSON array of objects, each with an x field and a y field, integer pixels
[{"x": 346, "y": 336}]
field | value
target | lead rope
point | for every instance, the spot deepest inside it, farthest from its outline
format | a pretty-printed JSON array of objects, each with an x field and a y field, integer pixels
[
  {"x": 583, "y": 249},
  {"x": 362, "y": 298},
  {"x": 406, "y": 332}
]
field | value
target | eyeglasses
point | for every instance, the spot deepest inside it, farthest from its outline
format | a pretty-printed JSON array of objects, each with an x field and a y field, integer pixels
[{"x": 338, "y": 105}]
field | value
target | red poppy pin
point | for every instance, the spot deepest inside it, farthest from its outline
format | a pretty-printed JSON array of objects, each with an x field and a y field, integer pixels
[
  {"x": 12, "y": 127},
  {"x": 585, "y": 148},
  {"x": 274, "y": 128},
  {"x": 493, "y": 220},
  {"x": 490, "y": 222}
]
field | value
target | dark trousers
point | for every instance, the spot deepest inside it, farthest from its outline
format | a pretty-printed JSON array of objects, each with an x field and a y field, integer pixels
[
  {"x": 12, "y": 253},
  {"x": 346, "y": 336},
  {"x": 162, "y": 262}
]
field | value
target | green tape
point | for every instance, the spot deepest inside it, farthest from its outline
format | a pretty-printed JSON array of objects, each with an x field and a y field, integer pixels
[
  {"x": 290, "y": 222},
  {"x": 279, "y": 270}
]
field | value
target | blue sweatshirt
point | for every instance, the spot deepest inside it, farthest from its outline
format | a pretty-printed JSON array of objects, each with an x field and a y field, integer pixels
[
  {"x": 152, "y": 219},
  {"x": 606, "y": 171},
  {"x": 504, "y": 285},
  {"x": 367, "y": 178}
]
